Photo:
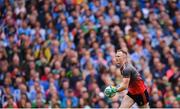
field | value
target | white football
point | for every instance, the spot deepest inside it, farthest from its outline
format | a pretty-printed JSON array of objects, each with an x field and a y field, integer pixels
[{"x": 108, "y": 90}]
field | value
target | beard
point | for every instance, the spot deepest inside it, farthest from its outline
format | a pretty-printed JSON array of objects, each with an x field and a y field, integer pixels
[{"x": 118, "y": 65}]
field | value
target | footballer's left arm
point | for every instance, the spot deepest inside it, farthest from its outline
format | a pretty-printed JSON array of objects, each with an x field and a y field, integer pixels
[
  {"x": 124, "y": 85},
  {"x": 107, "y": 80}
]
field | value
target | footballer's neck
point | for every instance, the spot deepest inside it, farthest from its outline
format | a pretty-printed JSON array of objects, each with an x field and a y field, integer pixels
[{"x": 122, "y": 67}]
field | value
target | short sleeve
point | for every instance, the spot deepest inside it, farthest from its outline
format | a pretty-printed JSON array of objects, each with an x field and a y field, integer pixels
[{"x": 126, "y": 73}]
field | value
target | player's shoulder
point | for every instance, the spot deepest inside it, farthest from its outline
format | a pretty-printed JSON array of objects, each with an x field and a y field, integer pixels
[{"x": 129, "y": 67}]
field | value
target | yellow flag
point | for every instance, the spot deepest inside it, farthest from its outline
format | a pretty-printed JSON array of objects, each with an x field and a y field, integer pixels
[{"x": 47, "y": 53}]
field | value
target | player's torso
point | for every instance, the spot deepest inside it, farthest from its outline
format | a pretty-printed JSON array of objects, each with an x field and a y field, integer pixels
[{"x": 136, "y": 84}]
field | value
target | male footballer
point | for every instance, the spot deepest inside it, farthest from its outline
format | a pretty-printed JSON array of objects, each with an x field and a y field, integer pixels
[{"x": 137, "y": 91}]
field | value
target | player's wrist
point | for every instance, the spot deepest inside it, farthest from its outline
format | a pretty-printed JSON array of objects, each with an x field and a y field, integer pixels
[{"x": 117, "y": 88}]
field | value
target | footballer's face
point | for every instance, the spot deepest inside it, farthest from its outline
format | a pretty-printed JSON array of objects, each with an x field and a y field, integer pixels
[{"x": 120, "y": 58}]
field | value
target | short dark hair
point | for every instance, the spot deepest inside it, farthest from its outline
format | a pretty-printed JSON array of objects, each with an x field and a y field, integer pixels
[{"x": 123, "y": 51}]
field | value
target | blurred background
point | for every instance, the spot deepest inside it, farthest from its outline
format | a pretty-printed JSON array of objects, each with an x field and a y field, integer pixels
[{"x": 59, "y": 53}]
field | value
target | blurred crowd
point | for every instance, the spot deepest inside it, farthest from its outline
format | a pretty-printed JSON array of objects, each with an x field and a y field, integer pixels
[{"x": 59, "y": 53}]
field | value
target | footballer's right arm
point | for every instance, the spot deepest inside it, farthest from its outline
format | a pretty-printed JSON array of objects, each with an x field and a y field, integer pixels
[
  {"x": 126, "y": 73},
  {"x": 124, "y": 85}
]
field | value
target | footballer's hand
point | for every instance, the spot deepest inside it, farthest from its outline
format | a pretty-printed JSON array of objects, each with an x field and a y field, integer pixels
[{"x": 114, "y": 89}]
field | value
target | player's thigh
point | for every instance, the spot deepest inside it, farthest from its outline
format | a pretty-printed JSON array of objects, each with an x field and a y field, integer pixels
[{"x": 127, "y": 102}]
